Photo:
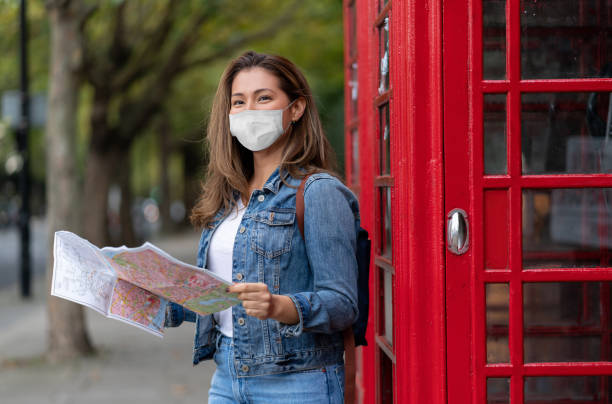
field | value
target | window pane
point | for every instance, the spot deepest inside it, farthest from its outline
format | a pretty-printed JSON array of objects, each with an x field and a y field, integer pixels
[
  {"x": 354, "y": 86},
  {"x": 565, "y": 38},
  {"x": 566, "y": 133},
  {"x": 563, "y": 321},
  {"x": 494, "y": 132},
  {"x": 385, "y": 305},
  {"x": 385, "y": 221},
  {"x": 386, "y": 378},
  {"x": 567, "y": 389},
  {"x": 497, "y": 298},
  {"x": 494, "y": 39},
  {"x": 383, "y": 56},
  {"x": 388, "y": 304},
  {"x": 498, "y": 390},
  {"x": 566, "y": 228},
  {"x": 385, "y": 139}
]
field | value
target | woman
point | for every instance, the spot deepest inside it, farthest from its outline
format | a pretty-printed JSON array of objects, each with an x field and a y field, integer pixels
[{"x": 284, "y": 343}]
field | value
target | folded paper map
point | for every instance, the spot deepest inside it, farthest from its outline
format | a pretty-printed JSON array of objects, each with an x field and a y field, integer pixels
[{"x": 133, "y": 284}]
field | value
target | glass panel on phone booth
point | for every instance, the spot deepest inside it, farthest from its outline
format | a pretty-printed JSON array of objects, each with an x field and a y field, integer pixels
[
  {"x": 383, "y": 56},
  {"x": 564, "y": 322},
  {"x": 497, "y": 324},
  {"x": 354, "y": 86},
  {"x": 498, "y": 390},
  {"x": 566, "y": 132},
  {"x": 386, "y": 378},
  {"x": 385, "y": 304},
  {"x": 567, "y": 389},
  {"x": 386, "y": 235},
  {"x": 494, "y": 39},
  {"x": 388, "y": 288},
  {"x": 494, "y": 132},
  {"x": 385, "y": 139},
  {"x": 567, "y": 227},
  {"x": 565, "y": 39}
]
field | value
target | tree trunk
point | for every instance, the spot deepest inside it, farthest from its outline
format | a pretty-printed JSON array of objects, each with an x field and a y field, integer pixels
[
  {"x": 98, "y": 174},
  {"x": 68, "y": 336}
]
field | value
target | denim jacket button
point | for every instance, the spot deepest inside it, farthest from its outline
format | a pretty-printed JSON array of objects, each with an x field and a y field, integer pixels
[
  {"x": 239, "y": 276},
  {"x": 242, "y": 229},
  {"x": 245, "y": 368},
  {"x": 241, "y": 321},
  {"x": 261, "y": 198}
]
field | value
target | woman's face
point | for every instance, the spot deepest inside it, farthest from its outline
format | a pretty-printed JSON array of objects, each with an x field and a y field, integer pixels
[{"x": 256, "y": 88}]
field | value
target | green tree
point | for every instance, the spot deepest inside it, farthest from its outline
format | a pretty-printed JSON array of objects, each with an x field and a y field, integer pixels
[{"x": 133, "y": 53}]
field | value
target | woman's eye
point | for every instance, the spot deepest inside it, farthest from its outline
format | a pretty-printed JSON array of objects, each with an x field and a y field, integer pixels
[
  {"x": 265, "y": 98},
  {"x": 237, "y": 102}
]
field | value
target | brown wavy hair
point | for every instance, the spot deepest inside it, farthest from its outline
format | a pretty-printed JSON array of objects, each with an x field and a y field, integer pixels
[{"x": 230, "y": 165}]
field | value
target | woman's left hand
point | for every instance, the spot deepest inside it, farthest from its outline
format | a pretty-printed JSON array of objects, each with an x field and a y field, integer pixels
[{"x": 259, "y": 302}]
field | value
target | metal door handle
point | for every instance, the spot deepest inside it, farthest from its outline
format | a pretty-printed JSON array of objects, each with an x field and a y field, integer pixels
[{"x": 457, "y": 231}]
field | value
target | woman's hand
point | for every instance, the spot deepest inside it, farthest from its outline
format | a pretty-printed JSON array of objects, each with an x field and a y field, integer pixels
[{"x": 259, "y": 302}]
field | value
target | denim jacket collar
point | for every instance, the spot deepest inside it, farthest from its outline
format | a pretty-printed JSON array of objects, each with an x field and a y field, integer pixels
[
  {"x": 272, "y": 184},
  {"x": 274, "y": 181}
]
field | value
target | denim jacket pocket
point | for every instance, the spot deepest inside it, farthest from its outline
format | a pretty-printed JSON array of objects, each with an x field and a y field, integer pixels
[{"x": 272, "y": 231}]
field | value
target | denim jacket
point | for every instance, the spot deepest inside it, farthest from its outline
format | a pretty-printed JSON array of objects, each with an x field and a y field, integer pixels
[{"x": 319, "y": 275}]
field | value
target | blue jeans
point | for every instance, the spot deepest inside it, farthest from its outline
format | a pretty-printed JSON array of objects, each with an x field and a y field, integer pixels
[{"x": 313, "y": 386}]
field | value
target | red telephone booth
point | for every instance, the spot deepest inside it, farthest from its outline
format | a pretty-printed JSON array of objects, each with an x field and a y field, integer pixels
[{"x": 478, "y": 139}]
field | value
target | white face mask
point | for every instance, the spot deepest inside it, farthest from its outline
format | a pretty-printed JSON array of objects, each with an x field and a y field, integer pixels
[{"x": 257, "y": 129}]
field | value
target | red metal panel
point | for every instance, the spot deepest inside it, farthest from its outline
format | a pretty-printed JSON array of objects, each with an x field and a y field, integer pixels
[
  {"x": 496, "y": 223},
  {"x": 418, "y": 243},
  {"x": 419, "y": 218},
  {"x": 513, "y": 64},
  {"x": 458, "y": 191},
  {"x": 474, "y": 137},
  {"x": 367, "y": 146}
]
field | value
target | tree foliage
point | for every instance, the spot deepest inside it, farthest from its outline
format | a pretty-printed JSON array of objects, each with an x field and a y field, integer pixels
[{"x": 133, "y": 46}]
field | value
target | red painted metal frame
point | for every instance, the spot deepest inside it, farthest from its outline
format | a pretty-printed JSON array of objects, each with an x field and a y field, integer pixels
[
  {"x": 364, "y": 363},
  {"x": 463, "y": 142},
  {"x": 381, "y": 345},
  {"x": 458, "y": 191},
  {"x": 366, "y": 382},
  {"x": 418, "y": 222},
  {"x": 417, "y": 197}
]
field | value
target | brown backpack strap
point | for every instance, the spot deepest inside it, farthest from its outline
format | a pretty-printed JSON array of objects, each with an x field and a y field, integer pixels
[
  {"x": 349, "y": 338},
  {"x": 299, "y": 205},
  {"x": 349, "y": 366}
]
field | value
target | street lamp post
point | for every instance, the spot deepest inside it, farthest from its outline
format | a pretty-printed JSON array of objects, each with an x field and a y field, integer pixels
[{"x": 22, "y": 144}]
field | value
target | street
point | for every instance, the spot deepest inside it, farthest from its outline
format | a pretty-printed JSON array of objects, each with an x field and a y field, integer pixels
[{"x": 131, "y": 366}]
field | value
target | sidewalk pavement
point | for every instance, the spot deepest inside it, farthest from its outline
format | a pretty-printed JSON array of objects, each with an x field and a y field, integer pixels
[{"x": 131, "y": 366}]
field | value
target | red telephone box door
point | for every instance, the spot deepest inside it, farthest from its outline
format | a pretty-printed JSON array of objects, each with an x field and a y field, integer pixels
[{"x": 528, "y": 158}]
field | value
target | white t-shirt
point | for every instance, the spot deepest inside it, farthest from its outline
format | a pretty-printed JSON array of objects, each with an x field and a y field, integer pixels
[{"x": 219, "y": 259}]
